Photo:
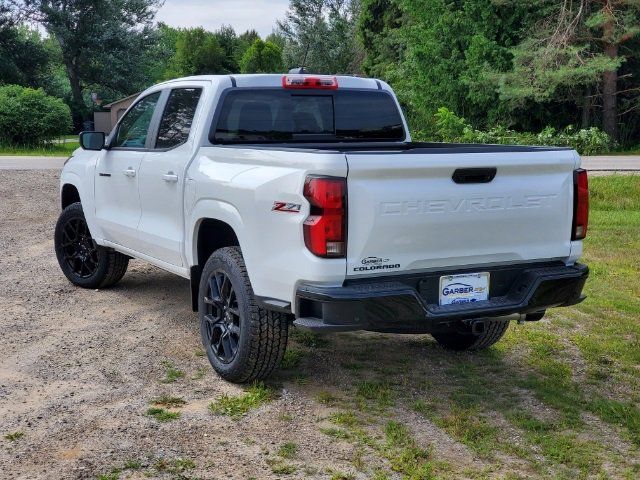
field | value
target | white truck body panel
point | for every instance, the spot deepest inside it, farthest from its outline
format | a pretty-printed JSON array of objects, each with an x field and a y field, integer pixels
[
  {"x": 245, "y": 183},
  {"x": 409, "y": 213}
]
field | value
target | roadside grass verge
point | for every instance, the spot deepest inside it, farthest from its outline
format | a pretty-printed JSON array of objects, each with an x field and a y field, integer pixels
[
  {"x": 50, "y": 150},
  {"x": 558, "y": 398}
]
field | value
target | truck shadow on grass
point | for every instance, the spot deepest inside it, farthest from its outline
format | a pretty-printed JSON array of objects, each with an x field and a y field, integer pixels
[{"x": 517, "y": 408}]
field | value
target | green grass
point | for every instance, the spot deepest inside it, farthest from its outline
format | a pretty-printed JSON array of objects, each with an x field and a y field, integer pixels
[
  {"x": 327, "y": 398},
  {"x": 403, "y": 454},
  {"x": 347, "y": 419},
  {"x": 14, "y": 436},
  {"x": 342, "y": 476},
  {"x": 162, "y": 415},
  {"x": 288, "y": 450},
  {"x": 280, "y": 467},
  {"x": 236, "y": 406},
  {"x": 50, "y": 150},
  {"x": 379, "y": 392},
  {"x": 132, "y": 464},
  {"x": 613, "y": 193},
  {"x": 171, "y": 373},
  {"x": 176, "y": 466},
  {"x": 291, "y": 359},
  {"x": 339, "y": 433},
  {"x": 115, "y": 475},
  {"x": 168, "y": 401}
]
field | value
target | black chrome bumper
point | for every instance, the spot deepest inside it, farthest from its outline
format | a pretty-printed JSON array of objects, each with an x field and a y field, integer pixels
[{"x": 409, "y": 303}]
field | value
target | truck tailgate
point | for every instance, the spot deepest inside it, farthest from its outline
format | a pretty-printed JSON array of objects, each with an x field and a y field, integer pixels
[{"x": 406, "y": 213}]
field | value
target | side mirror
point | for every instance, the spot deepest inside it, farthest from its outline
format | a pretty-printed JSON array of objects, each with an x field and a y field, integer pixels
[{"x": 92, "y": 140}]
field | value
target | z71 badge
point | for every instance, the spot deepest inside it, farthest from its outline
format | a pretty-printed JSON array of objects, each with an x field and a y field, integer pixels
[{"x": 286, "y": 207}]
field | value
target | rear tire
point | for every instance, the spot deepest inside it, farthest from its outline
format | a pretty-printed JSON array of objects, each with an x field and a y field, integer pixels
[
  {"x": 82, "y": 261},
  {"x": 494, "y": 331},
  {"x": 243, "y": 341}
]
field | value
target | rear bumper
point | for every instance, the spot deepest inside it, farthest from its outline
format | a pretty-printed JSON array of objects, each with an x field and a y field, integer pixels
[{"x": 409, "y": 304}]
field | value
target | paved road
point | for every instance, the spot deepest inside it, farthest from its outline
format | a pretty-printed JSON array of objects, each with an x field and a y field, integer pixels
[
  {"x": 612, "y": 163},
  {"x": 31, "y": 163},
  {"x": 596, "y": 164}
]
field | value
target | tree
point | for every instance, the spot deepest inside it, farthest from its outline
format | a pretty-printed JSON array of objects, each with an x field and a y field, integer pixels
[
  {"x": 229, "y": 42},
  {"x": 162, "y": 52},
  {"x": 244, "y": 42},
  {"x": 578, "y": 44},
  {"x": 197, "y": 53},
  {"x": 321, "y": 35},
  {"x": 262, "y": 57},
  {"x": 103, "y": 42},
  {"x": 441, "y": 53},
  {"x": 379, "y": 30},
  {"x": 24, "y": 57}
]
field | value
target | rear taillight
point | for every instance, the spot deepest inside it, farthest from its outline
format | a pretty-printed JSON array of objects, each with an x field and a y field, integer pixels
[
  {"x": 303, "y": 81},
  {"x": 325, "y": 230},
  {"x": 580, "y": 205}
]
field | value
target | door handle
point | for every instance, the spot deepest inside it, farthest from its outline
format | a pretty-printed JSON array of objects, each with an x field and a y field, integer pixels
[
  {"x": 170, "y": 177},
  {"x": 129, "y": 172}
]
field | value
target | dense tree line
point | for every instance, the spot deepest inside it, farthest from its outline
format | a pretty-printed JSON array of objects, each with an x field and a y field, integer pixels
[
  {"x": 525, "y": 65},
  {"x": 520, "y": 66}
]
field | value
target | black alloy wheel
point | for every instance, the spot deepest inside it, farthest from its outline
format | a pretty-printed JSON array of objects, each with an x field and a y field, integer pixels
[
  {"x": 222, "y": 317},
  {"x": 84, "y": 262},
  {"x": 79, "y": 250}
]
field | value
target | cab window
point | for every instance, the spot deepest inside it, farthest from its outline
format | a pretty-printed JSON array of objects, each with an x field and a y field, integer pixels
[
  {"x": 134, "y": 126},
  {"x": 178, "y": 117}
]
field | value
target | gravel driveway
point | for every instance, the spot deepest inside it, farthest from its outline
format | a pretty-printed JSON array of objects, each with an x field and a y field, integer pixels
[{"x": 79, "y": 368}]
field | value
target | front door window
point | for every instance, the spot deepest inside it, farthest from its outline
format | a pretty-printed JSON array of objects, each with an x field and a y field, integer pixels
[{"x": 134, "y": 126}]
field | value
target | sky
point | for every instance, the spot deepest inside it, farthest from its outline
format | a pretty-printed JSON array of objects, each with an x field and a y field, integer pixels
[{"x": 212, "y": 14}]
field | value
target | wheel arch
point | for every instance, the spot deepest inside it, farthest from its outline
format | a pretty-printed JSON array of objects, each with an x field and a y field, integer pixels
[
  {"x": 69, "y": 194},
  {"x": 209, "y": 234}
]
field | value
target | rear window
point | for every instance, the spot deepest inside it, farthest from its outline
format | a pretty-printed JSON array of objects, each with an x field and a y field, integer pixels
[{"x": 272, "y": 116}]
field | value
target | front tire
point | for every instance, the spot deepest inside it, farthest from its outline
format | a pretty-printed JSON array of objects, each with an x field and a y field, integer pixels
[
  {"x": 494, "y": 331},
  {"x": 82, "y": 261},
  {"x": 243, "y": 341}
]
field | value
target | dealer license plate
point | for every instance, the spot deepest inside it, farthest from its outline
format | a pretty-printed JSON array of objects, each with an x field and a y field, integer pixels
[{"x": 465, "y": 288}]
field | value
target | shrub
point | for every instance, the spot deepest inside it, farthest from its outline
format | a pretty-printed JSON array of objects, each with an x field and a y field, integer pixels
[
  {"x": 31, "y": 117},
  {"x": 451, "y": 128}
]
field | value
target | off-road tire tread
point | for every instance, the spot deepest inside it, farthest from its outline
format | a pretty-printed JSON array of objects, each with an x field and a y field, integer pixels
[
  {"x": 269, "y": 330},
  {"x": 455, "y": 341},
  {"x": 117, "y": 267}
]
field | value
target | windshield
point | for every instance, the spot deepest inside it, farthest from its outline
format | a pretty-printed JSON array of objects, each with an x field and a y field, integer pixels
[{"x": 276, "y": 116}]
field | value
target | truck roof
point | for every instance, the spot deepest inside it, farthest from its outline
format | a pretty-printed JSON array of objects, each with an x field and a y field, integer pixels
[{"x": 275, "y": 80}]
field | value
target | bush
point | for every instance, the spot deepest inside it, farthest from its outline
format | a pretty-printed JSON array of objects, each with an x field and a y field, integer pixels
[
  {"x": 451, "y": 128},
  {"x": 31, "y": 117}
]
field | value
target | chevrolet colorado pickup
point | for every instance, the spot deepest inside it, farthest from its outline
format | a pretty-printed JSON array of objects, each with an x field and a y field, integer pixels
[{"x": 302, "y": 199}]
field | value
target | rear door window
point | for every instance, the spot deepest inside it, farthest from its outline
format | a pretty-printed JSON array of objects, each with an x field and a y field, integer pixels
[
  {"x": 177, "y": 118},
  {"x": 272, "y": 116}
]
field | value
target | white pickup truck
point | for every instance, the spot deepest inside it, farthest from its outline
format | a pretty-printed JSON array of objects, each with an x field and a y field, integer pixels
[{"x": 302, "y": 199}]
